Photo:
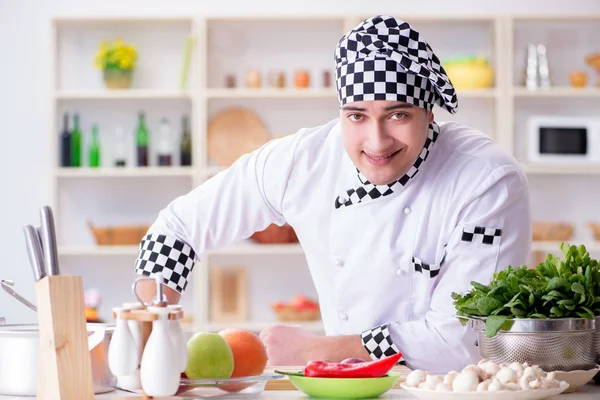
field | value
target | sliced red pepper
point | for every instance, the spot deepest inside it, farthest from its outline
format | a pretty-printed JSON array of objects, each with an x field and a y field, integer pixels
[{"x": 368, "y": 369}]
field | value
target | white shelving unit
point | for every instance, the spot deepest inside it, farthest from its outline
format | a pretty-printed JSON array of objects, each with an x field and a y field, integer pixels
[{"x": 233, "y": 46}]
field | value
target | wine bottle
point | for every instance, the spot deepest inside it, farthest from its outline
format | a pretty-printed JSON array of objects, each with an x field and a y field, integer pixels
[
  {"x": 165, "y": 151},
  {"x": 142, "y": 140},
  {"x": 65, "y": 143},
  {"x": 76, "y": 143},
  {"x": 120, "y": 152},
  {"x": 94, "y": 150},
  {"x": 186, "y": 143}
]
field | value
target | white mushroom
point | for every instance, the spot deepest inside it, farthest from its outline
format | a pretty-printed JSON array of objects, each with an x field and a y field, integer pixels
[
  {"x": 449, "y": 378},
  {"x": 442, "y": 387},
  {"x": 551, "y": 376},
  {"x": 491, "y": 369},
  {"x": 517, "y": 367},
  {"x": 480, "y": 372},
  {"x": 431, "y": 381},
  {"x": 483, "y": 386},
  {"x": 507, "y": 375},
  {"x": 524, "y": 382},
  {"x": 465, "y": 382},
  {"x": 536, "y": 383},
  {"x": 495, "y": 386},
  {"x": 483, "y": 361},
  {"x": 513, "y": 386},
  {"x": 415, "y": 378},
  {"x": 530, "y": 372}
]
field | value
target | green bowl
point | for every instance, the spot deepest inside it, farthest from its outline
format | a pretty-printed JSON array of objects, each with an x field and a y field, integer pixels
[{"x": 345, "y": 388}]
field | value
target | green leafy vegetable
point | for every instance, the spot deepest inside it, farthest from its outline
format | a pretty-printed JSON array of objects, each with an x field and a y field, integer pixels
[{"x": 556, "y": 288}]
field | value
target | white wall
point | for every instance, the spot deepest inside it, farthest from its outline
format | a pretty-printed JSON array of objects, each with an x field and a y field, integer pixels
[{"x": 25, "y": 89}]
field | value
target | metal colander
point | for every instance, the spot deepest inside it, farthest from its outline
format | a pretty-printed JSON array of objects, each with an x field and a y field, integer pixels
[{"x": 561, "y": 344}]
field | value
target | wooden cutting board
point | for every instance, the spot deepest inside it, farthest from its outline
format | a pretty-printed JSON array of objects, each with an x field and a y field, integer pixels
[
  {"x": 234, "y": 132},
  {"x": 285, "y": 383}
]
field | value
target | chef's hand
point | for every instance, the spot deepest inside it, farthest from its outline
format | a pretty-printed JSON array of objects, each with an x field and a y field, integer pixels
[{"x": 296, "y": 346}]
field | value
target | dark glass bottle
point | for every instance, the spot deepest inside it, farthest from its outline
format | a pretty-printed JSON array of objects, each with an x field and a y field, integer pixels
[
  {"x": 76, "y": 143},
  {"x": 186, "y": 143},
  {"x": 65, "y": 143},
  {"x": 142, "y": 140},
  {"x": 120, "y": 147},
  {"x": 165, "y": 151}
]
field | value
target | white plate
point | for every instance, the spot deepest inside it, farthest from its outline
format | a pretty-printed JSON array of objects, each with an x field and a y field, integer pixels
[
  {"x": 426, "y": 394},
  {"x": 576, "y": 379}
]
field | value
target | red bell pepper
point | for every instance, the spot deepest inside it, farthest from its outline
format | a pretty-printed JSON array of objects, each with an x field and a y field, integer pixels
[{"x": 368, "y": 369}]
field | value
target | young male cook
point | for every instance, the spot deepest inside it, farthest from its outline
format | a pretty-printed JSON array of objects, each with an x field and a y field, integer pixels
[{"x": 394, "y": 212}]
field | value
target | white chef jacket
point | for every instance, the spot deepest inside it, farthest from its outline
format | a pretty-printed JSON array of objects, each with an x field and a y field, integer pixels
[{"x": 388, "y": 263}]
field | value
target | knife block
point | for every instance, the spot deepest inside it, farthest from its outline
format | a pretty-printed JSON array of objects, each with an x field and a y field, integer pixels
[{"x": 64, "y": 367}]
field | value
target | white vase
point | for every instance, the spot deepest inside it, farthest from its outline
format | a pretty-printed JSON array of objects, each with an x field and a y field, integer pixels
[
  {"x": 122, "y": 351},
  {"x": 159, "y": 371},
  {"x": 179, "y": 340}
]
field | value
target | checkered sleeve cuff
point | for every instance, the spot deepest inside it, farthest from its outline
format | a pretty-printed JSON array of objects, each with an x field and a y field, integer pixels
[
  {"x": 166, "y": 254},
  {"x": 378, "y": 342}
]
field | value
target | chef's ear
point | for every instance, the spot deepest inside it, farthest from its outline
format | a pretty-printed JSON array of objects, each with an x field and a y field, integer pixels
[{"x": 430, "y": 116}]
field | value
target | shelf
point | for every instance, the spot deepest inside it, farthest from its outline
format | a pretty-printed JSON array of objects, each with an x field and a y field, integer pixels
[
  {"x": 316, "y": 327},
  {"x": 123, "y": 94},
  {"x": 124, "y": 172},
  {"x": 560, "y": 169},
  {"x": 476, "y": 93},
  {"x": 557, "y": 92},
  {"x": 98, "y": 251},
  {"x": 269, "y": 93},
  {"x": 260, "y": 249},
  {"x": 553, "y": 247}
]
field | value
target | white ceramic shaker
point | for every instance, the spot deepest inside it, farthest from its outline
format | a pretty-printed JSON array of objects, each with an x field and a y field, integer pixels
[
  {"x": 179, "y": 339},
  {"x": 132, "y": 382},
  {"x": 122, "y": 351}
]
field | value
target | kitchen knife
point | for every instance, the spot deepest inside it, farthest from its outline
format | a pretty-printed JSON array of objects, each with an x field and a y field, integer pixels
[
  {"x": 48, "y": 237},
  {"x": 34, "y": 251}
]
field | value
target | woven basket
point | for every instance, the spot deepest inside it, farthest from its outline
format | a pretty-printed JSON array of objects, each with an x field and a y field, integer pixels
[
  {"x": 551, "y": 231},
  {"x": 275, "y": 234},
  {"x": 595, "y": 227},
  {"x": 289, "y": 314},
  {"x": 118, "y": 235}
]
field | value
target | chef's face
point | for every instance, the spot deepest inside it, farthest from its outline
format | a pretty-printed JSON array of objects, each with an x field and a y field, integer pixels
[{"x": 383, "y": 138}]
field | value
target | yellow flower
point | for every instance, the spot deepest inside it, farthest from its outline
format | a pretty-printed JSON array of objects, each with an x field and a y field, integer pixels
[{"x": 117, "y": 54}]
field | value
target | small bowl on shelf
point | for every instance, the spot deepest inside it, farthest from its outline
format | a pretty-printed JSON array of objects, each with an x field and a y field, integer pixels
[
  {"x": 595, "y": 228},
  {"x": 552, "y": 231},
  {"x": 249, "y": 386},
  {"x": 118, "y": 235}
]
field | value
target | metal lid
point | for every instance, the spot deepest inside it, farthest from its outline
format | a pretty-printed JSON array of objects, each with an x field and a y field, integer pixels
[{"x": 535, "y": 325}]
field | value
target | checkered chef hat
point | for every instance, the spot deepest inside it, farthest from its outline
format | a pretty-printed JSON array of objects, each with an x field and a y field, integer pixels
[{"x": 383, "y": 58}]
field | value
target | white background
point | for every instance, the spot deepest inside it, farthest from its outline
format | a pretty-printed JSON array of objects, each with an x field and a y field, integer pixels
[{"x": 25, "y": 89}]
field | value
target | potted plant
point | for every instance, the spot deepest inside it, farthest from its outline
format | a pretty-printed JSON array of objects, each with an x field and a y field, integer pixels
[{"x": 117, "y": 61}]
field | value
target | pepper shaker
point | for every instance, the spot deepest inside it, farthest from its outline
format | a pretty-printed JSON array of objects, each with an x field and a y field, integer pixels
[{"x": 253, "y": 79}]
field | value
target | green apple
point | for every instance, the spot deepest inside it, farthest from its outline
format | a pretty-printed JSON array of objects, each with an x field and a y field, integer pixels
[{"x": 209, "y": 356}]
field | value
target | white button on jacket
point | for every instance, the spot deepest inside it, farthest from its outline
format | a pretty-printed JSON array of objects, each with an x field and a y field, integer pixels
[{"x": 468, "y": 218}]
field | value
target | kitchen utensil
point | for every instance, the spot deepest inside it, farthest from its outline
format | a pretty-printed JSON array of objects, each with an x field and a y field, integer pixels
[
  {"x": 6, "y": 285},
  {"x": 544, "y": 69},
  {"x": 233, "y": 133},
  {"x": 532, "y": 69},
  {"x": 19, "y": 358},
  {"x": 555, "y": 344},
  {"x": 345, "y": 388},
  {"x": 538, "y": 394},
  {"x": 242, "y": 386},
  {"x": 48, "y": 236},
  {"x": 34, "y": 251}
]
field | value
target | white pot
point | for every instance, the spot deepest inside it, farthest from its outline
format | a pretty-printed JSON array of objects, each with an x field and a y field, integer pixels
[{"x": 19, "y": 345}]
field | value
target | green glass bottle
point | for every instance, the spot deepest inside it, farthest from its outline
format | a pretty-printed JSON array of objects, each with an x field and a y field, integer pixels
[
  {"x": 94, "y": 151},
  {"x": 186, "y": 143},
  {"x": 141, "y": 141},
  {"x": 76, "y": 143}
]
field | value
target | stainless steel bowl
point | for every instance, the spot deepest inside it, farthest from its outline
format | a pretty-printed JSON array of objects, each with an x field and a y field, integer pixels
[
  {"x": 559, "y": 344},
  {"x": 19, "y": 346}
]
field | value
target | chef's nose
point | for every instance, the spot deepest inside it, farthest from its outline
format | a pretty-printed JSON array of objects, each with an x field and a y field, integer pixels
[{"x": 378, "y": 138}]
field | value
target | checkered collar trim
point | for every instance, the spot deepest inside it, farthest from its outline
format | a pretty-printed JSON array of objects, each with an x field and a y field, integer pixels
[
  {"x": 368, "y": 191},
  {"x": 384, "y": 58}
]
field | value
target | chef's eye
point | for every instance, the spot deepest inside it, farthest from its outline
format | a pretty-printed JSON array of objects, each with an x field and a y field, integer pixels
[
  {"x": 355, "y": 117},
  {"x": 399, "y": 116}
]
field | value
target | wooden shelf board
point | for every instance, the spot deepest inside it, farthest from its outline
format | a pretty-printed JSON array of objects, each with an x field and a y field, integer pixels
[
  {"x": 557, "y": 92},
  {"x": 123, "y": 172},
  {"x": 267, "y": 93},
  {"x": 124, "y": 94},
  {"x": 98, "y": 250}
]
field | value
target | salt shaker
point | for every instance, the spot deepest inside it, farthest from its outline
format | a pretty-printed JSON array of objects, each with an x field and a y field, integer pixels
[
  {"x": 544, "y": 69},
  {"x": 532, "y": 70}
]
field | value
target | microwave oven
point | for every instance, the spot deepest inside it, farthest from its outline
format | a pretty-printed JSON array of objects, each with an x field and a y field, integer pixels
[{"x": 566, "y": 140}]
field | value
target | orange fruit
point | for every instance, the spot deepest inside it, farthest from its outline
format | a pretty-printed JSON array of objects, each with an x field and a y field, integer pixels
[{"x": 249, "y": 353}]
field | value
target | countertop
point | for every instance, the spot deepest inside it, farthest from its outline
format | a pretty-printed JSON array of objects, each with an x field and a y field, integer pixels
[{"x": 588, "y": 392}]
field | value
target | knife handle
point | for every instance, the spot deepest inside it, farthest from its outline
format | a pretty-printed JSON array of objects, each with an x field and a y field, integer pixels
[
  {"x": 48, "y": 237},
  {"x": 34, "y": 251}
]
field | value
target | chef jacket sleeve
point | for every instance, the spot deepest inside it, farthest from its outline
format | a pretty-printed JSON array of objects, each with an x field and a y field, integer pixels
[
  {"x": 493, "y": 231},
  {"x": 231, "y": 206}
]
